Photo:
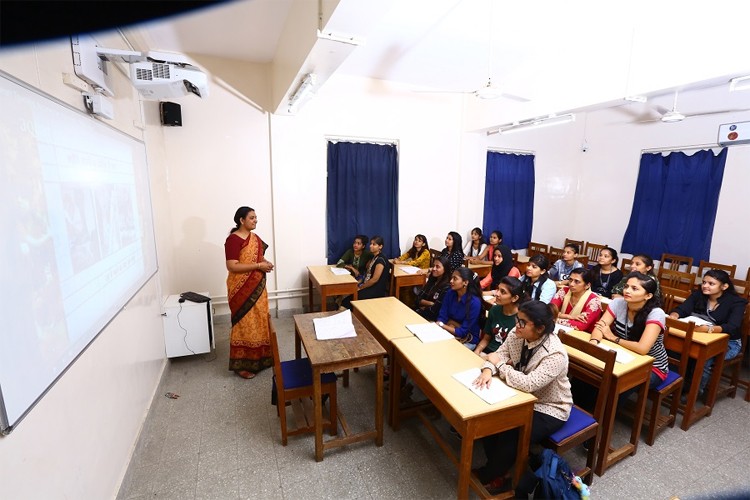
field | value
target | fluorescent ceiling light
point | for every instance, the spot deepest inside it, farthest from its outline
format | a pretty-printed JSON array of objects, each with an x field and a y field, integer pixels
[
  {"x": 533, "y": 124},
  {"x": 304, "y": 90},
  {"x": 337, "y": 37},
  {"x": 636, "y": 98},
  {"x": 739, "y": 83}
]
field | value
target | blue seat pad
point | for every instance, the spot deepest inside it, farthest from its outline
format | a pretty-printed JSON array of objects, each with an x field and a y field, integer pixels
[
  {"x": 577, "y": 421},
  {"x": 671, "y": 377},
  {"x": 298, "y": 373}
]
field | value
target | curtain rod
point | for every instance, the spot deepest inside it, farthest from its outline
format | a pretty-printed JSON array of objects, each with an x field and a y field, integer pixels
[
  {"x": 681, "y": 148},
  {"x": 369, "y": 140},
  {"x": 507, "y": 150}
]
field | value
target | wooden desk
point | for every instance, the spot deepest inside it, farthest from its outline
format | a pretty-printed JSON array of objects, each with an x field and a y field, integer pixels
[
  {"x": 431, "y": 366},
  {"x": 328, "y": 284},
  {"x": 482, "y": 269},
  {"x": 703, "y": 347},
  {"x": 400, "y": 279},
  {"x": 522, "y": 263},
  {"x": 625, "y": 376},
  {"x": 328, "y": 356}
]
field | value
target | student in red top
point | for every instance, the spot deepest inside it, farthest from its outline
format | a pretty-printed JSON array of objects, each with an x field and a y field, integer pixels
[{"x": 577, "y": 306}]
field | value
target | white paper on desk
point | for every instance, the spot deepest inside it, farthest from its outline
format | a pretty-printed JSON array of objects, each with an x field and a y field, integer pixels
[
  {"x": 621, "y": 357},
  {"x": 409, "y": 269},
  {"x": 339, "y": 271},
  {"x": 697, "y": 320},
  {"x": 337, "y": 326},
  {"x": 429, "y": 332},
  {"x": 496, "y": 392},
  {"x": 564, "y": 328}
]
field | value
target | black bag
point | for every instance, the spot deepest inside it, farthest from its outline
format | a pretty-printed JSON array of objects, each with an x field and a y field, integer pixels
[{"x": 552, "y": 479}]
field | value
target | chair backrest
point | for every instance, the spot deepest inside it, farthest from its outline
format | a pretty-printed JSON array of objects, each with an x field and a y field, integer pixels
[
  {"x": 670, "y": 278},
  {"x": 276, "y": 357},
  {"x": 554, "y": 254},
  {"x": 580, "y": 243},
  {"x": 434, "y": 254},
  {"x": 705, "y": 265},
  {"x": 675, "y": 262},
  {"x": 742, "y": 287},
  {"x": 592, "y": 251},
  {"x": 686, "y": 327},
  {"x": 601, "y": 378},
  {"x": 537, "y": 248},
  {"x": 584, "y": 261},
  {"x": 624, "y": 265},
  {"x": 672, "y": 297},
  {"x": 515, "y": 258},
  {"x": 747, "y": 277}
]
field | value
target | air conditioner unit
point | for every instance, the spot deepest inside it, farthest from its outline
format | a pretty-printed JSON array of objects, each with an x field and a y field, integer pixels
[
  {"x": 159, "y": 80},
  {"x": 734, "y": 133}
]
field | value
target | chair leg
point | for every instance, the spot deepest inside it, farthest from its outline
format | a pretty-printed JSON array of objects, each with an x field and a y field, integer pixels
[
  {"x": 674, "y": 407},
  {"x": 346, "y": 378},
  {"x": 333, "y": 412},
  {"x": 734, "y": 380},
  {"x": 653, "y": 420},
  {"x": 281, "y": 409}
]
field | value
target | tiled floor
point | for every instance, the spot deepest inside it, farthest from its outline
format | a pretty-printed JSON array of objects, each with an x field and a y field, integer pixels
[{"x": 221, "y": 439}]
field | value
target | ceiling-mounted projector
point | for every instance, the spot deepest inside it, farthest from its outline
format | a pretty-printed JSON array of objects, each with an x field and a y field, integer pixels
[{"x": 164, "y": 80}]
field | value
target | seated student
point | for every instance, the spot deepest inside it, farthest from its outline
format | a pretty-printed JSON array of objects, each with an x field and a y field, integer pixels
[
  {"x": 605, "y": 272},
  {"x": 501, "y": 267},
  {"x": 560, "y": 270},
  {"x": 418, "y": 255},
  {"x": 534, "y": 360},
  {"x": 577, "y": 305},
  {"x": 637, "y": 323},
  {"x": 377, "y": 279},
  {"x": 536, "y": 282},
  {"x": 476, "y": 246},
  {"x": 355, "y": 259},
  {"x": 430, "y": 298},
  {"x": 453, "y": 250},
  {"x": 643, "y": 264},
  {"x": 502, "y": 316},
  {"x": 462, "y": 306},
  {"x": 717, "y": 301}
]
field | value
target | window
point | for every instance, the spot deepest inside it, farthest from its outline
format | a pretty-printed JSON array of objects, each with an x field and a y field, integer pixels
[
  {"x": 675, "y": 204},
  {"x": 509, "y": 197},
  {"x": 362, "y": 196}
]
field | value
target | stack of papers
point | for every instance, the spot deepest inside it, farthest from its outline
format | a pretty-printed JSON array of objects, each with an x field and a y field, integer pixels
[
  {"x": 409, "y": 269},
  {"x": 339, "y": 271},
  {"x": 496, "y": 392},
  {"x": 429, "y": 332},
  {"x": 622, "y": 356},
  {"x": 338, "y": 326},
  {"x": 698, "y": 321}
]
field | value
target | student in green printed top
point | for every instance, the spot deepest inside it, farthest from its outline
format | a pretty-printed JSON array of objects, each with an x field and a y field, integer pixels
[
  {"x": 355, "y": 259},
  {"x": 502, "y": 316}
]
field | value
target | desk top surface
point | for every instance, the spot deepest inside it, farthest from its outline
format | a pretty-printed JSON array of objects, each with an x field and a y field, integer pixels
[
  {"x": 439, "y": 361},
  {"x": 324, "y": 276},
  {"x": 319, "y": 352},
  {"x": 620, "y": 368},
  {"x": 703, "y": 338},
  {"x": 389, "y": 315},
  {"x": 399, "y": 272}
]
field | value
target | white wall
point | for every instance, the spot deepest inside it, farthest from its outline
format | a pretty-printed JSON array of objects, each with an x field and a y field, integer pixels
[{"x": 77, "y": 441}]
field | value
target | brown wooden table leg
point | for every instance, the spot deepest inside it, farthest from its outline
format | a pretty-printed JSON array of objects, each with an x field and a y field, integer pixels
[{"x": 318, "y": 405}]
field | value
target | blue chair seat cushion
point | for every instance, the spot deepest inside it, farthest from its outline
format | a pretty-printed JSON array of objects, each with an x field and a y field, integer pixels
[
  {"x": 672, "y": 376},
  {"x": 298, "y": 373},
  {"x": 577, "y": 421}
]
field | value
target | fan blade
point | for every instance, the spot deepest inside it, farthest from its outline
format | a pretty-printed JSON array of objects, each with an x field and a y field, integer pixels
[{"x": 516, "y": 97}]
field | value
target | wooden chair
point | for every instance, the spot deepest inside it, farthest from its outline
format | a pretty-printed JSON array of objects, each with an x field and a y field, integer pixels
[
  {"x": 584, "y": 261},
  {"x": 580, "y": 243},
  {"x": 732, "y": 367},
  {"x": 705, "y": 265},
  {"x": 673, "y": 297},
  {"x": 624, "y": 265},
  {"x": 592, "y": 251},
  {"x": 669, "y": 278},
  {"x": 671, "y": 386},
  {"x": 581, "y": 425},
  {"x": 292, "y": 381},
  {"x": 515, "y": 258},
  {"x": 434, "y": 254},
  {"x": 554, "y": 254},
  {"x": 675, "y": 262},
  {"x": 538, "y": 248}
]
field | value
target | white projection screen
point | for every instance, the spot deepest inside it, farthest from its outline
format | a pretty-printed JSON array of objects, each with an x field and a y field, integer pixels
[{"x": 77, "y": 239}]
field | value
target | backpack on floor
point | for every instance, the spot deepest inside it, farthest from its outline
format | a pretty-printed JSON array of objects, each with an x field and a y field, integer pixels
[{"x": 552, "y": 479}]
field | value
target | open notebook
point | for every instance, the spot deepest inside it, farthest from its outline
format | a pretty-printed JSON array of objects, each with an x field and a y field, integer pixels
[
  {"x": 496, "y": 392},
  {"x": 429, "y": 332}
]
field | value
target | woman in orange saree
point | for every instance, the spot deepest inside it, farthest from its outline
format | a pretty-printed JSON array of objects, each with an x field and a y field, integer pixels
[{"x": 249, "y": 340}]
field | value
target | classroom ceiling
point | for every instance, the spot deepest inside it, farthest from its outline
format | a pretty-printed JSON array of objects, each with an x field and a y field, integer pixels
[{"x": 558, "y": 55}]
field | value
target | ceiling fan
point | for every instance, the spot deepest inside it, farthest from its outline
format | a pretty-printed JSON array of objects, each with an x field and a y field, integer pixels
[{"x": 674, "y": 116}]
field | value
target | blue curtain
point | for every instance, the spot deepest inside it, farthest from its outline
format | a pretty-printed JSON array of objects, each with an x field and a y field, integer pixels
[
  {"x": 362, "y": 196},
  {"x": 509, "y": 197},
  {"x": 675, "y": 203}
]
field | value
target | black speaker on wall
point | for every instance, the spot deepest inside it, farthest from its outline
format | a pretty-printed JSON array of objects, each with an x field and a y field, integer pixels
[{"x": 171, "y": 114}]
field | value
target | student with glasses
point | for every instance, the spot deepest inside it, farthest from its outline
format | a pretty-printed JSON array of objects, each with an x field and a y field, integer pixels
[{"x": 532, "y": 359}]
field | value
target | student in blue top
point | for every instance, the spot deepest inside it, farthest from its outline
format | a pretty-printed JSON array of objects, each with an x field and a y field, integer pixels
[
  {"x": 560, "y": 270},
  {"x": 536, "y": 283},
  {"x": 462, "y": 306}
]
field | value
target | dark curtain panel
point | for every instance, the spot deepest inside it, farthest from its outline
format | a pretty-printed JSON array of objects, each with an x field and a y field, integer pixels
[
  {"x": 675, "y": 204},
  {"x": 509, "y": 197},
  {"x": 362, "y": 196}
]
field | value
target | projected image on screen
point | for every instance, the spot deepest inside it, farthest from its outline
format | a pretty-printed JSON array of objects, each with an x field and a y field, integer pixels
[{"x": 77, "y": 238}]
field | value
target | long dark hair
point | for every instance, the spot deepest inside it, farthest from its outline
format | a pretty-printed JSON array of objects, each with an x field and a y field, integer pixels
[
  {"x": 615, "y": 259},
  {"x": 723, "y": 278},
  {"x": 543, "y": 263},
  {"x": 515, "y": 287},
  {"x": 458, "y": 243},
  {"x": 648, "y": 261},
  {"x": 413, "y": 250},
  {"x": 480, "y": 241},
  {"x": 540, "y": 314},
  {"x": 472, "y": 288},
  {"x": 241, "y": 213},
  {"x": 639, "y": 321}
]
